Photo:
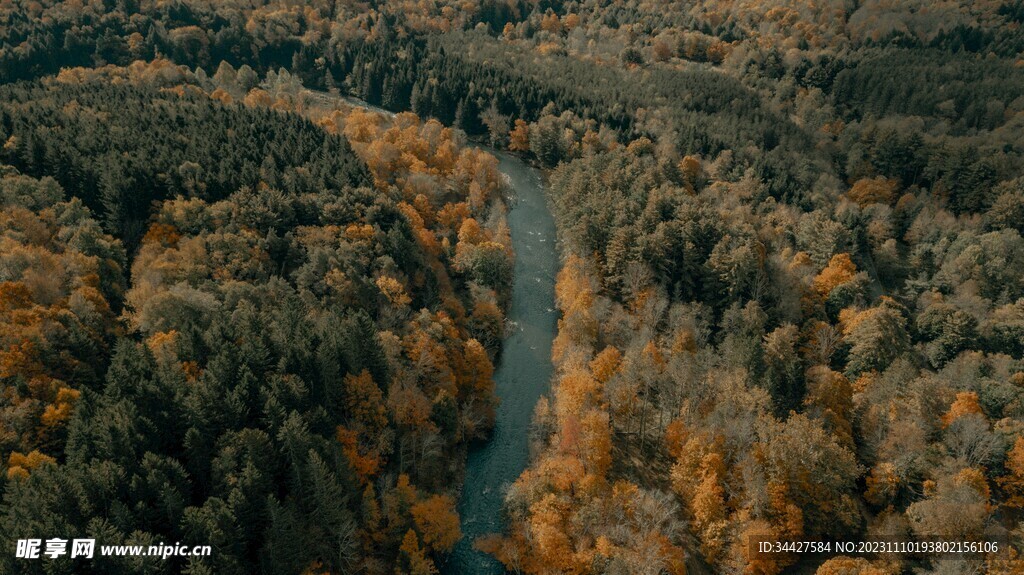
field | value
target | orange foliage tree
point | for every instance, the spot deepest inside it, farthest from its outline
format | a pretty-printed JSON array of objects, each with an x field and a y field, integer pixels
[{"x": 437, "y": 522}]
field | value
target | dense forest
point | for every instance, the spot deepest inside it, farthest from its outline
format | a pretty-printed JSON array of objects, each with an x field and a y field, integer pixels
[
  {"x": 235, "y": 310},
  {"x": 265, "y": 340}
]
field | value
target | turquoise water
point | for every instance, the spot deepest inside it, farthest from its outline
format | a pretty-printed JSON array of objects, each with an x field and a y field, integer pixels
[{"x": 523, "y": 372}]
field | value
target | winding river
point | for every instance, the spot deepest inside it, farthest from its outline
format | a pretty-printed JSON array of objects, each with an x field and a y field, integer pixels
[
  {"x": 522, "y": 374},
  {"x": 524, "y": 371}
]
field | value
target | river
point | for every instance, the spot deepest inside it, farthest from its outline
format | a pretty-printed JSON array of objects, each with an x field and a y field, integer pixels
[{"x": 523, "y": 373}]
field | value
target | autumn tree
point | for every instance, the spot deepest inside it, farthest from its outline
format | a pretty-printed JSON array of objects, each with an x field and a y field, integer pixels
[
  {"x": 1013, "y": 481},
  {"x": 437, "y": 522},
  {"x": 519, "y": 137},
  {"x": 873, "y": 191},
  {"x": 876, "y": 336},
  {"x": 415, "y": 559}
]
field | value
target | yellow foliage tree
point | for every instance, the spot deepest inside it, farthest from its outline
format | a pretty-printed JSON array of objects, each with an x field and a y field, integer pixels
[
  {"x": 1013, "y": 482},
  {"x": 365, "y": 465},
  {"x": 606, "y": 364},
  {"x": 416, "y": 559},
  {"x": 551, "y": 23},
  {"x": 550, "y": 536},
  {"x": 59, "y": 412},
  {"x": 519, "y": 137},
  {"x": 966, "y": 403},
  {"x": 437, "y": 522},
  {"x": 19, "y": 465},
  {"x": 882, "y": 484},
  {"x": 709, "y": 509},
  {"x": 597, "y": 443},
  {"x": 393, "y": 290},
  {"x": 576, "y": 391},
  {"x": 873, "y": 191},
  {"x": 365, "y": 403},
  {"x": 831, "y": 395},
  {"x": 840, "y": 270}
]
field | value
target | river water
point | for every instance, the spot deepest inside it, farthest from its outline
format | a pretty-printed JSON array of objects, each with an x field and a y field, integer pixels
[{"x": 523, "y": 372}]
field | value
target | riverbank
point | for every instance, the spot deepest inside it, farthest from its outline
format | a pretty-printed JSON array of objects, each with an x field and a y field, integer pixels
[
  {"x": 524, "y": 369},
  {"x": 523, "y": 374}
]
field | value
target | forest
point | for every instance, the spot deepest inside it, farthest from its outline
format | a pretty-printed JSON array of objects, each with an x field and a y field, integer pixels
[
  {"x": 273, "y": 349},
  {"x": 237, "y": 310}
]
